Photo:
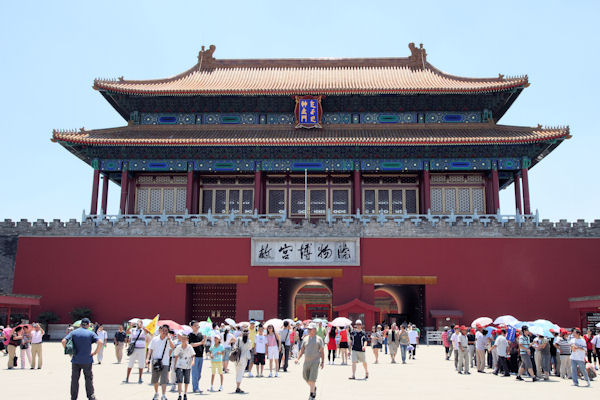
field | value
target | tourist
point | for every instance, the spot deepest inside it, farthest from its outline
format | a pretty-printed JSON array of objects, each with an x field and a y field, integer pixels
[
  {"x": 471, "y": 339},
  {"x": 393, "y": 339},
  {"x": 159, "y": 352},
  {"x": 102, "y": 335},
  {"x": 578, "y": 350},
  {"x": 321, "y": 331},
  {"x": 14, "y": 343},
  {"x": 216, "y": 355},
  {"x": 446, "y": 341},
  {"x": 358, "y": 340},
  {"x": 554, "y": 356},
  {"x": 119, "y": 341},
  {"x": 564, "y": 349},
  {"x": 260, "y": 349},
  {"x": 413, "y": 339},
  {"x": 3, "y": 339},
  {"x": 26, "y": 347},
  {"x": 82, "y": 359},
  {"x": 184, "y": 356},
  {"x": 480, "y": 344},
  {"x": 273, "y": 348},
  {"x": 384, "y": 335},
  {"x": 344, "y": 348},
  {"x": 37, "y": 336},
  {"x": 501, "y": 345},
  {"x": 463, "y": 351},
  {"x": 172, "y": 365},
  {"x": 544, "y": 350},
  {"x": 312, "y": 349},
  {"x": 251, "y": 336},
  {"x": 244, "y": 345},
  {"x": 137, "y": 349},
  {"x": 196, "y": 340},
  {"x": 331, "y": 345},
  {"x": 591, "y": 349},
  {"x": 404, "y": 341},
  {"x": 376, "y": 341},
  {"x": 228, "y": 340},
  {"x": 286, "y": 339},
  {"x": 455, "y": 346},
  {"x": 525, "y": 353},
  {"x": 596, "y": 343}
]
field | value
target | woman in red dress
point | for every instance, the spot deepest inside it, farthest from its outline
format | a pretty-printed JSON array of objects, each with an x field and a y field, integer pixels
[{"x": 331, "y": 346}]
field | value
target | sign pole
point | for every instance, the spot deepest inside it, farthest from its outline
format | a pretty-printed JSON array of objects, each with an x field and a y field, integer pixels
[{"x": 305, "y": 193}]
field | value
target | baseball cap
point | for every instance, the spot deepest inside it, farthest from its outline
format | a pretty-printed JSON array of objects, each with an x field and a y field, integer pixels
[
  {"x": 85, "y": 321},
  {"x": 358, "y": 322}
]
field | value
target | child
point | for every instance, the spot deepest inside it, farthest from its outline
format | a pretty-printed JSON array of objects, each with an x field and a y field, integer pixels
[
  {"x": 184, "y": 356},
  {"x": 260, "y": 348},
  {"x": 216, "y": 354}
]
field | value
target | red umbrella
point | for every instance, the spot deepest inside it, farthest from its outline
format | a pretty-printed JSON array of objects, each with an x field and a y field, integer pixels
[
  {"x": 307, "y": 321},
  {"x": 172, "y": 324}
]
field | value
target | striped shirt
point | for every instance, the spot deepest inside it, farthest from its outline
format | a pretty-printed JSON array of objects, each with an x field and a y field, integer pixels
[
  {"x": 524, "y": 342},
  {"x": 564, "y": 347}
]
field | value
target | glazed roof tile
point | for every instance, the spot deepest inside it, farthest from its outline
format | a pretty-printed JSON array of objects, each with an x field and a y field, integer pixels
[
  {"x": 410, "y": 75},
  {"x": 329, "y": 135}
]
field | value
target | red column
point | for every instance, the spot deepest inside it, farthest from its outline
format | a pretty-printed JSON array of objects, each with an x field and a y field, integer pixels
[
  {"x": 526, "y": 206},
  {"x": 131, "y": 195},
  {"x": 94, "y": 206},
  {"x": 426, "y": 192},
  {"x": 495, "y": 190},
  {"x": 517, "y": 183},
  {"x": 104, "y": 193},
  {"x": 189, "y": 191},
  {"x": 357, "y": 191},
  {"x": 124, "y": 187},
  {"x": 258, "y": 191}
]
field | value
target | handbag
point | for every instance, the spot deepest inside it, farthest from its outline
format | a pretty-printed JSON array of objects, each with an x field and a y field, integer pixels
[
  {"x": 236, "y": 353},
  {"x": 69, "y": 347},
  {"x": 131, "y": 347}
]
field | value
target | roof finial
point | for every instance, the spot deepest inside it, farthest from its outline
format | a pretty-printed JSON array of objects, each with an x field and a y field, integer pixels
[
  {"x": 418, "y": 56},
  {"x": 206, "y": 56}
]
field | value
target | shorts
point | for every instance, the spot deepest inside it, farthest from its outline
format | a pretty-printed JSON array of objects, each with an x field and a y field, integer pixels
[
  {"x": 310, "y": 370},
  {"x": 377, "y": 346},
  {"x": 358, "y": 356},
  {"x": 343, "y": 345},
  {"x": 216, "y": 367},
  {"x": 259, "y": 359},
  {"x": 273, "y": 353},
  {"x": 163, "y": 374},
  {"x": 227, "y": 354},
  {"x": 182, "y": 375},
  {"x": 139, "y": 355},
  {"x": 526, "y": 362}
]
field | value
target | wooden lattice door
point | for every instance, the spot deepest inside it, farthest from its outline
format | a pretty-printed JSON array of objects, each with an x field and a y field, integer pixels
[{"x": 216, "y": 301}]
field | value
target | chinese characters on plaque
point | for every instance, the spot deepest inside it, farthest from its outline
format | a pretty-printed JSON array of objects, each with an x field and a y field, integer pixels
[
  {"x": 309, "y": 251},
  {"x": 308, "y": 112}
]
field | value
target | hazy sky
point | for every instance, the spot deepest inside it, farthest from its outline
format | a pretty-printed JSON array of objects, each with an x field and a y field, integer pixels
[{"x": 50, "y": 52}]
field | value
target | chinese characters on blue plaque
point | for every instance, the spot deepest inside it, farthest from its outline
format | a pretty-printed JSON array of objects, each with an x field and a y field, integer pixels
[
  {"x": 298, "y": 251},
  {"x": 308, "y": 112}
]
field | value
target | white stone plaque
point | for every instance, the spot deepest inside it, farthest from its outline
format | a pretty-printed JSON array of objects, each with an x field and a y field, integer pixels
[{"x": 305, "y": 251}]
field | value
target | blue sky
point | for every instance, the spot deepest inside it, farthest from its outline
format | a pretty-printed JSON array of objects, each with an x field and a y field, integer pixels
[{"x": 50, "y": 52}]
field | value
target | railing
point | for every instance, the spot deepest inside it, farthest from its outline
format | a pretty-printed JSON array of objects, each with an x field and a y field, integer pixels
[{"x": 330, "y": 218}]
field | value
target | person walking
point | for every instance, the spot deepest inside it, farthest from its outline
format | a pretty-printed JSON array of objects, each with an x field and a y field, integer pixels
[
  {"x": 244, "y": 346},
  {"x": 313, "y": 350},
  {"x": 26, "y": 347},
  {"x": 228, "y": 340},
  {"x": 216, "y": 355},
  {"x": 159, "y": 357},
  {"x": 455, "y": 346},
  {"x": 591, "y": 349},
  {"x": 413, "y": 340},
  {"x": 564, "y": 349},
  {"x": 480, "y": 343},
  {"x": 376, "y": 342},
  {"x": 260, "y": 350},
  {"x": 273, "y": 349},
  {"x": 119, "y": 341},
  {"x": 446, "y": 342},
  {"x": 37, "y": 335},
  {"x": 545, "y": 358},
  {"x": 501, "y": 346},
  {"x": 102, "y": 335},
  {"x": 196, "y": 341},
  {"x": 344, "y": 336},
  {"x": 393, "y": 339},
  {"x": 83, "y": 358},
  {"x": 184, "y": 356},
  {"x": 331, "y": 345},
  {"x": 404, "y": 341},
  {"x": 525, "y": 353},
  {"x": 137, "y": 349},
  {"x": 252, "y": 332},
  {"x": 578, "y": 350},
  {"x": 463, "y": 351},
  {"x": 14, "y": 343},
  {"x": 596, "y": 343},
  {"x": 358, "y": 341},
  {"x": 285, "y": 335}
]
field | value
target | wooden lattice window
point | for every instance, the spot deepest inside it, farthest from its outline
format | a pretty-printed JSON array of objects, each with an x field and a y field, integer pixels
[
  {"x": 390, "y": 201},
  {"x": 457, "y": 192},
  {"x": 224, "y": 201},
  {"x": 158, "y": 193}
]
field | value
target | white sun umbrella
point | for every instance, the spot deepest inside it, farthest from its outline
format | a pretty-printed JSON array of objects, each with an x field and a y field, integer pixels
[
  {"x": 244, "y": 323},
  {"x": 506, "y": 320},
  {"x": 598, "y": 325},
  {"x": 230, "y": 322},
  {"x": 133, "y": 320},
  {"x": 483, "y": 321},
  {"x": 186, "y": 329},
  {"x": 276, "y": 322},
  {"x": 341, "y": 322}
]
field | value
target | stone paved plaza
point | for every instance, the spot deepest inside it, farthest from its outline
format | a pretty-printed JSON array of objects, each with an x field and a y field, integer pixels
[{"x": 427, "y": 376}]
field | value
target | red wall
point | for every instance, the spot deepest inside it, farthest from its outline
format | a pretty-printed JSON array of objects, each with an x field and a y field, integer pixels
[{"x": 120, "y": 278}]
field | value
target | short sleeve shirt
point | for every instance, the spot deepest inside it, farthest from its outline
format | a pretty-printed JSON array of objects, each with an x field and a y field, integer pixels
[
  {"x": 197, "y": 338},
  {"x": 185, "y": 357},
  {"x": 158, "y": 346},
  {"x": 261, "y": 343},
  {"x": 82, "y": 342},
  {"x": 141, "y": 341},
  {"x": 480, "y": 341},
  {"x": 501, "y": 345},
  {"x": 578, "y": 354},
  {"x": 359, "y": 338},
  {"x": 120, "y": 337},
  {"x": 524, "y": 341},
  {"x": 312, "y": 348},
  {"x": 216, "y": 352}
]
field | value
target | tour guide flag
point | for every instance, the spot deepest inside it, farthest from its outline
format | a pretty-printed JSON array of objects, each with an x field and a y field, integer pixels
[{"x": 152, "y": 325}]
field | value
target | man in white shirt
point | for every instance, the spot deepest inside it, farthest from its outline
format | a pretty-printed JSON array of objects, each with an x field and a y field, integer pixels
[
  {"x": 36, "y": 345},
  {"x": 501, "y": 345},
  {"x": 455, "y": 346},
  {"x": 463, "y": 351},
  {"x": 260, "y": 348},
  {"x": 578, "y": 350},
  {"x": 480, "y": 342},
  {"x": 159, "y": 352},
  {"x": 413, "y": 338}
]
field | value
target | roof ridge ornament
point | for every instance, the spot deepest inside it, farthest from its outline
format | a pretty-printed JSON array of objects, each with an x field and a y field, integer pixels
[
  {"x": 418, "y": 55},
  {"x": 205, "y": 56}
]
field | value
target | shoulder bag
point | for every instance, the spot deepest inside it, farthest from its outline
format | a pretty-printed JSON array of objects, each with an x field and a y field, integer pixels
[
  {"x": 131, "y": 347},
  {"x": 236, "y": 352},
  {"x": 157, "y": 362}
]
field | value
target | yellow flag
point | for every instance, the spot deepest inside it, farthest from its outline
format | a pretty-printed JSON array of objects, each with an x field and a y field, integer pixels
[{"x": 152, "y": 325}]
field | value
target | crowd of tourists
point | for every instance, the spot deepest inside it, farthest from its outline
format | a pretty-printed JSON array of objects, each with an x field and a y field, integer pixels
[
  {"x": 521, "y": 353},
  {"x": 175, "y": 358},
  {"x": 24, "y": 343}
]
